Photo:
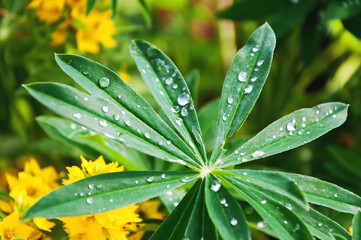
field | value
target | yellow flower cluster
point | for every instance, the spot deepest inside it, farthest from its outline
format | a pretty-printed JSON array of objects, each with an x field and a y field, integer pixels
[
  {"x": 115, "y": 224},
  {"x": 26, "y": 188},
  {"x": 91, "y": 31}
]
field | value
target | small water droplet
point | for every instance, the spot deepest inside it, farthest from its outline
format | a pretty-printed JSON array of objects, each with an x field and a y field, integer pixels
[
  {"x": 116, "y": 117},
  {"x": 216, "y": 185},
  {"x": 136, "y": 181},
  {"x": 163, "y": 176},
  {"x": 104, "y": 82},
  {"x": 103, "y": 123},
  {"x": 150, "y": 179},
  {"x": 85, "y": 72},
  {"x": 184, "y": 112},
  {"x": 319, "y": 224},
  {"x": 334, "y": 116},
  {"x": 234, "y": 222},
  {"x": 242, "y": 76},
  {"x": 289, "y": 206},
  {"x": 183, "y": 99},
  {"x": 111, "y": 200},
  {"x": 253, "y": 79},
  {"x": 105, "y": 109},
  {"x": 260, "y": 62},
  {"x": 248, "y": 89},
  {"x": 127, "y": 122},
  {"x": 91, "y": 186},
  {"x": 77, "y": 115},
  {"x": 230, "y": 100},
  {"x": 169, "y": 81},
  {"x": 335, "y": 195},
  {"x": 261, "y": 224},
  {"x": 175, "y": 204},
  {"x": 85, "y": 98},
  {"x": 175, "y": 109},
  {"x": 89, "y": 200},
  {"x": 100, "y": 185},
  {"x": 179, "y": 121},
  {"x": 73, "y": 126},
  {"x": 169, "y": 142},
  {"x": 175, "y": 86},
  {"x": 274, "y": 136},
  {"x": 224, "y": 117},
  {"x": 75, "y": 194},
  {"x": 255, "y": 49},
  {"x": 264, "y": 201},
  {"x": 285, "y": 222},
  {"x": 147, "y": 135}
]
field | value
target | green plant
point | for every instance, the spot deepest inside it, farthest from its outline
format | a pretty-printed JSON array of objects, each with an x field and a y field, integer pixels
[{"x": 116, "y": 111}]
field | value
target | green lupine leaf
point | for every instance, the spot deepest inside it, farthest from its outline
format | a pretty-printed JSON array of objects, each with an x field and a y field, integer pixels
[
  {"x": 175, "y": 225},
  {"x": 172, "y": 198},
  {"x": 106, "y": 192},
  {"x": 89, "y": 6},
  {"x": 283, "y": 221},
  {"x": 356, "y": 226},
  {"x": 170, "y": 90},
  {"x": 107, "y": 119},
  {"x": 341, "y": 10},
  {"x": 5, "y": 196},
  {"x": 192, "y": 80},
  {"x": 225, "y": 212},
  {"x": 208, "y": 121},
  {"x": 272, "y": 180},
  {"x": 327, "y": 194},
  {"x": 319, "y": 225},
  {"x": 74, "y": 135},
  {"x": 243, "y": 84},
  {"x": 200, "y": 225},
  {"x": 291, "y": 131},
  {"x": 103, "y": 82},
  {"x": 114, "y": 8}
]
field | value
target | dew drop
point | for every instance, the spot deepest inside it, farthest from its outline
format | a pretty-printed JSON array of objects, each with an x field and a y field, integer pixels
[
  {"x": 258, "y": 153},
  {"x": 253, "y": 79},
  {"x": 104, "y": 82},
  {"x": 163, "y": 176},
  {"x": 290, "y": 127},
  {"x": 105, "y": 109},
  {"x": 179, "y": 121},
  {"x": 230, "y": 100},
  {"x": 335, "y": 195},
  {"x": 234, "y": 222},
  {"x": 216, "y": 185},
  {"x": 103, "y": 123},
  {"x": 111, "y": 200},
  {"x": 261, "y": 224},
  {"x": 334, "y": 116},
  {"x": 319, "y": 224},
  {"x": 127, "y": 122},
  {"x": 285, "y": 222},
  {"x": 175, "y": 109},
  {"x": 169, "y": 142},
  {"x": 183, "y": 99},
  {"x": 169, "y": 81},
  {"x": 184, "y": 112},
  {"x": 248, "y": 89},
  {"x": 264, "y": 201},
  {"x": 224, "y": 117},
  {"x": 175, "y": 86},
  {"x": 116, "y": 117},
  {"x": 255, "y": 49},
  {"x": 89, "y": 200},
  {"x": 242, "y": 76},
  {"x": 260, "y": 62},
  {"x": 223, "y": 201},
  {"x": 77, "y": 115},
  {"x": 75, "y": 194},
  {"x": 136, "y": 181},
  {"x": 175, "y": 204},
  {"x": 150, "y": 179},
  {"x": 91, "y": 186}
]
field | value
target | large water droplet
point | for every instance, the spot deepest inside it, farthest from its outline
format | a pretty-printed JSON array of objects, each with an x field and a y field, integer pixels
[
  {"x": 224, "y": 117},
  {"x": 216, "y": 185},
  {"x": 258, "y": 153},
  {"x": 290, "y": 126},
  {"x": 183, "y": 99},
  {"x": 242, "y": 76},
  {"x": 104, "y": 82},
  {"x": 248, "y": 89}
]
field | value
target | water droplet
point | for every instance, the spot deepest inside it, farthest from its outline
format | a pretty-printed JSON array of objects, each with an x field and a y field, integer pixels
[
  {"x": 169, "y": 142},
  {"x": 73, "y": 126},
  {"x": 223, "y": 201},
  {"x": 248, "y": 89},
  {"x": 175, "y": 204},
  {"x": 242, "y": 76},
  {"x": 89, "y": 200},
  {"x": 85, "y": 98},
  {"x": 169, "y": 81},
  {"x": 253, "y": 79},
  {"x": 111, "y": 200},
  {"x": 103, "y": 123},
  {"x": 116, "y": 117},
  {"x": 147, "y": 135},
  {"x": 216, "y": 185},
  {"x": 179, "y": 121},
  {"x": 163, "y": 175},
  {"x": 99, "y": 185},
  {"x": 143, "y": 71},
  {"x": 264, "y": 201},
  {"x": 75, "y": 194},
  {"x": 183, "y": 99},
  {"x": 258, "y": 153},
  {"x": 127, "y": 122},
  {"x": 289, "y": 206},
  {"x": 234, "y": 222},
  {"x": 224, "y": 117},
  {"x": 160, "y": 143},
  {"x": 335, "y": 195},
  {"x": 255, "y": 49},
  {"x": 184, "y": 112},
  {"x": 303, "y": 125},
  {"x": 175, "y": 109},
  {"x": 150, "y": 179},
  {"x": 319, "y": 224},
  {"x": 81, "y": 194},
  {"x": 104, "y": 82},
  {"x": 105, "y": 109},
  {"x": 136, "y": 181},
  {"x": 91, "y": 186},
  {"x": 77, "y": 115},
  {"x": 274, "y": 136},
  {"x": 161, "y": 92},
  {"x": 290, "y": 127},
  {"x": 260, "y": 62},
  {"x": 261, "y": 224},
  {"x": 285, "y": 222},
  {"x": 184, "y": 180},
  {"x": 334, "y": 116},
  {"x": 122, "y": 112},
  {"x": 245, "y": 174},
  {"x": 230, "y": 100},
  {"x": 175, "y": 86}
]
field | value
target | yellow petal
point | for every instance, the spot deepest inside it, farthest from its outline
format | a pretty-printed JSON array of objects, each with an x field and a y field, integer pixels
[{"x": 43, "y": 223}]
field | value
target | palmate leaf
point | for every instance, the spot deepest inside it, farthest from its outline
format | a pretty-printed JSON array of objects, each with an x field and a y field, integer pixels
[
  {"x": 243, "y": 84},
  {"x": 271, "y": 180},
  {"x": 107, "y": 119},
  {"x": 283, "y": 221},
  {"x": 356, "y": 227},
  {"x": 106, "y": 192},
  {"x": 208, "y": 121},
  {"x": 327, "y": 194},
  {"x": 103, "y": 82},
  {"x": 174, "y": 227},
  {"x": 171, "y": 92},
  {"x": 225, "y": 212},
  {"x": 291, "y": 131}
]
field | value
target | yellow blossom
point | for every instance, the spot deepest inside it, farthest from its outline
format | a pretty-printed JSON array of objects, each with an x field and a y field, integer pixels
[
  {"x": 113, "y": 225},
  {"x": 350, "y": 230},
  {"x": 48, "y": 11},
  {"x": 125, "y": 76},
  {"x": 150, "y": 210},
  {"x": 11, "y": 228}
]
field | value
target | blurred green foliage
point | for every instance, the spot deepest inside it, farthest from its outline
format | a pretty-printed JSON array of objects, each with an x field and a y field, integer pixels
[{"x": 317, "y": 59}]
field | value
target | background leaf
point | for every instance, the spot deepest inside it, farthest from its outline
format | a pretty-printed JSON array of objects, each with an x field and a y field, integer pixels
[
  {"x": 89, "y": 6},
  {"x": 356, "y": 226},
  {"x": 291, "y": 131},
  {"x": 243, "y": 84},
  {"x": 106, "y": 192}
]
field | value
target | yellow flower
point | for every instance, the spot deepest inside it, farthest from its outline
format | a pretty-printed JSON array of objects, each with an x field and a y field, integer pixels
[
  {"x": 48, "y": 11},
  {"x": 125, "y": 76},
  {"x": 11, "y": 228},
  {"x": 113, "y": 225},
  {"x": 350, "y": 230},
  {"x": 150, "y": 210}
]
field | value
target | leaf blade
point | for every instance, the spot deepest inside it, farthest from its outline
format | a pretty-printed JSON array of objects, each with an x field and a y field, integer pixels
[
  {"x": 243, "y": 84},
  {"x": 291, "y": 131},
  {"x": 356, "y": 226},
  {"x": 89, "y": 6},
  {"x": 108, "y": 191}
]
